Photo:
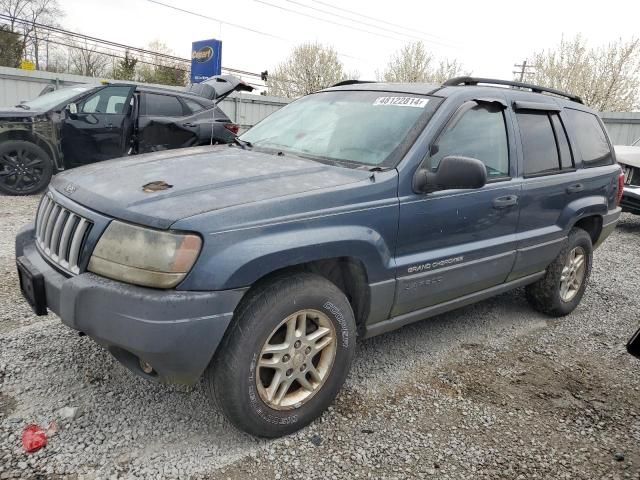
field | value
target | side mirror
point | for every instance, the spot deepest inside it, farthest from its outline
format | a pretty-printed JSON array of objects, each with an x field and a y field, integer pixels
[
  {"x": 72, "y": 110},
  {"x": 453, "y": 172}
]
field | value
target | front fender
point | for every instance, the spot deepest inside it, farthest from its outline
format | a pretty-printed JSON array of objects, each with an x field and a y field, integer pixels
[{"x": 238, "y": 259}]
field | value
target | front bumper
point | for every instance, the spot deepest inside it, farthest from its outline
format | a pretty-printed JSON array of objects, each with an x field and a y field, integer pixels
[
  {"x": 631, "y": 199},
  {"x": 176, "y": 332}
]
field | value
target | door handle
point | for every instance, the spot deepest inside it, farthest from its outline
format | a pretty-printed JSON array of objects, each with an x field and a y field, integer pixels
[
  {"x": 109, "y": 125},
  {"x": 189, "y": 124},
  {"x": 505, "y": 202},
  {"x": 578, "y": 187}
]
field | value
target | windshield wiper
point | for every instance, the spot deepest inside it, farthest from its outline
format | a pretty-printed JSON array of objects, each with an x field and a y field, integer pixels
[
  {"x": 23, "y": 106},
  {"x": 243, "y": 144}
]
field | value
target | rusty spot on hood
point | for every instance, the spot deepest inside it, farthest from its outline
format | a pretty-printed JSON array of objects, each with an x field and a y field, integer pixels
[{"x": 156, "y": 186}]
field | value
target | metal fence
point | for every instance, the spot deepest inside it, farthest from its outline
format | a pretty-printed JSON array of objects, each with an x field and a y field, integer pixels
[
  {"x": 17, "y": 85},
  {"x": 623, "y": 128},
  {"x": 245, "y": 110}
]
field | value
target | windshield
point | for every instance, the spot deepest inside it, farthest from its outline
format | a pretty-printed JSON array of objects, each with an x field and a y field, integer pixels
[
  {"x": 360, "y": 127},
  {"x": 57, "y": 97}
]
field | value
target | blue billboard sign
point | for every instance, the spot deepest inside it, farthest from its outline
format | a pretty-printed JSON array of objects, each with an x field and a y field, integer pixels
[{"x": 206, "y": 60}]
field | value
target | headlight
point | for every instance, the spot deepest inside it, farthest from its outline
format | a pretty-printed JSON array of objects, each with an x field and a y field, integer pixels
[{"x": 142, "y": 256}]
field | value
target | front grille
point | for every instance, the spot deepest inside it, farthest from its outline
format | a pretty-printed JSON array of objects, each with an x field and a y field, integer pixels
[{"x": 60, "y": 234}]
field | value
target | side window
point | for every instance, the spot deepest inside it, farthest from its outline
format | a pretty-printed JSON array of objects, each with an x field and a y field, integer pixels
[
  {"x": 476, "y": 131},
  {"x": 590, "y": 138},
  {"x": 107, "y": 100},
  {"x": 192, "y": 105},
  {"x": 155, "y": 105},
  {"x": 545, "y": 145}
]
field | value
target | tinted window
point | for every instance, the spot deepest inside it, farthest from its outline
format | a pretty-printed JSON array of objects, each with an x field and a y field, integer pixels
[
  {"x": 162, "y": 106},
  {"x": 590, "y": 138},
  {"x": 478, "y": 132},
  {"x": 106, "y": 100},
  {"x": 193, "y": 105},
  {"x": 538, "y": 143},
  {"x": 566, "y": 158}
]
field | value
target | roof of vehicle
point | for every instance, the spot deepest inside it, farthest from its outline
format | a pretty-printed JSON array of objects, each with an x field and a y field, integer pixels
[{"x": 471, "y": 86}]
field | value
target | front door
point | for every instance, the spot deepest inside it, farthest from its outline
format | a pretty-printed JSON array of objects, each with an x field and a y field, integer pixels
[
  {"x": 456, "y": 242},
  {"x": 101, "y": 127}
]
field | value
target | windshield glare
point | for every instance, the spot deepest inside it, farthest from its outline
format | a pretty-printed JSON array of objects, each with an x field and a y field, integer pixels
[
  {"x": 57, "y": 97},
  {"x": 352, "y": 126}
]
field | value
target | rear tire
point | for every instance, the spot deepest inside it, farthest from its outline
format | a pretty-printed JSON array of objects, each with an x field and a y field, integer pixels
[
  {"x": 559, "y": 292},
  {"x": 25, "y": 168},
  {"x": 285, "y": 357}
]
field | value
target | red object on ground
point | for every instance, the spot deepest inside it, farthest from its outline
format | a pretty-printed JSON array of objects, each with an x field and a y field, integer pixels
[{"x": 33, "y": 438}]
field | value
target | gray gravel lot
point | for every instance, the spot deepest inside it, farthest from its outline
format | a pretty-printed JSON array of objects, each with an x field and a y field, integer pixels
[{"x": 494, "y": 390}]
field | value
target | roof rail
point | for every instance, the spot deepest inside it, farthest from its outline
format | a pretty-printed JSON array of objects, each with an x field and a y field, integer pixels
[
  {"x": 351, "y": 82},
  {"x": 456, "y": 81}
]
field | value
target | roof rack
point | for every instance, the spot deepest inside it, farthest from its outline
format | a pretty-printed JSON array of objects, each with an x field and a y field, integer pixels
[
  {"x": 456, "y": 81},
  {"x": 351, "y": 82}
]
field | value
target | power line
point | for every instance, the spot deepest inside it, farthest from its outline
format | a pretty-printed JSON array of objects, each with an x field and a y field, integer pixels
[
  {"x": 523, "y": 70},
  {"x": 201, "y": 15},
  {"x": 197, "y": 14},
  {"x": 351, "y": 27},
  {"x": 352, "y": 12},
  {"x": 364, "y": 23},
  {"x": 114, "y": 44}
]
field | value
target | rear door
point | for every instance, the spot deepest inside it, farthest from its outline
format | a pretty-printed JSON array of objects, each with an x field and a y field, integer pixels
[
  {"x": 456, "y": 242},
  {"x": 164, "y": 123},
  {"x": 101, "y": 127},
  {"x": 550, "y": 182}
]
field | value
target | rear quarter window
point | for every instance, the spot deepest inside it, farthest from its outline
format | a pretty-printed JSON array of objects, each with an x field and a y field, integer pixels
[
  {"x": 157, "y": 105},
  {"x": 590, "y": 138}
]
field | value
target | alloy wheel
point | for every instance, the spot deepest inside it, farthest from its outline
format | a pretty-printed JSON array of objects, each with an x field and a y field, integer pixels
[
  {"x": 21, "y": 170},
  {"x": 573, "y": 274},
  {"x": 296, "y": 359}
]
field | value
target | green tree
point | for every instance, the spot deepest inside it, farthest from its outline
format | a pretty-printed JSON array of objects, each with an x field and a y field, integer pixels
[
  {"x": 10, "y": 47},
  {"x": 126, "y": 68}
]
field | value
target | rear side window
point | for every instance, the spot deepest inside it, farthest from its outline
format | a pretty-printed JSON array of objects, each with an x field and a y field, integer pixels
[
  {"x": 476, "y": 131},
  {"x": 161, "y": 106},
  {"x": 544, "y": 143},
  {"x": 192, "y": 105},
  {"x": 590, "y": 138}
]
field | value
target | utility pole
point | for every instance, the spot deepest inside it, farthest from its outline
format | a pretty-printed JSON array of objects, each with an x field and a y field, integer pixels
[{"x": 522, "y": 70}]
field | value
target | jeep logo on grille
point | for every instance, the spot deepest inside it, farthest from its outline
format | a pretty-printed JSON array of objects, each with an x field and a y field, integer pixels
[{"x": 70, "y": 188}]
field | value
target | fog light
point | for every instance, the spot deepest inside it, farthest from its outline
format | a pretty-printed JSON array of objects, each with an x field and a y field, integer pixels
[{"x": 146, "y": 367}]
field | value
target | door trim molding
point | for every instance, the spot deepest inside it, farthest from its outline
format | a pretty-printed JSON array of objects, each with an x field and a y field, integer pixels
[{"x": 424, "y": 313}]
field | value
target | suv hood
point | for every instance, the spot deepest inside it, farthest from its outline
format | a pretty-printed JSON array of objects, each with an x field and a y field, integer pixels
[
  {"x": 201, "y": 179},
  {"x": 628, "y": 155}
]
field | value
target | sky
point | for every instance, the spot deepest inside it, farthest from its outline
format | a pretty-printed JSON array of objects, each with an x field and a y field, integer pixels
[{"x": 488, "y": 37}]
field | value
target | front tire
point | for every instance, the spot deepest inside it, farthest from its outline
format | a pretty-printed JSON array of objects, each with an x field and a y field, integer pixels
[
  {"x": 25, "y": 168},
  {"x": 559, "y": 292},
  {"x": 285, "y": 357}
]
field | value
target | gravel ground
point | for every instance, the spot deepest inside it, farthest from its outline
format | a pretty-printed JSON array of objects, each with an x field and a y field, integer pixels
[{"x": 494, "y": 390}]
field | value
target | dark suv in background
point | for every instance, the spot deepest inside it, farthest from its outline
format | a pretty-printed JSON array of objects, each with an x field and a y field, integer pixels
[
  {"x": 348, "y": 213},
  {"x": 84, "y": 124}
]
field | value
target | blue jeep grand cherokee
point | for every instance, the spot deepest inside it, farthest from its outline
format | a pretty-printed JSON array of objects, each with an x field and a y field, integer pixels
[{"x": 350, "y": 212}]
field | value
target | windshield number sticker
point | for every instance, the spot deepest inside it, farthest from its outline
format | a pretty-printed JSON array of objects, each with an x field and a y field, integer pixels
[{"x": 402, "y": 101}]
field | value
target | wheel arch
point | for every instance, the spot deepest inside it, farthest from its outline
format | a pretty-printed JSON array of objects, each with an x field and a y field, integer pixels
[
  {"x": 36, "y": 139},
  {"x": 349, "y": 274}
]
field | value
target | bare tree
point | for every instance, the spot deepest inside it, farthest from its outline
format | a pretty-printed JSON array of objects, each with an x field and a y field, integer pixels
[
  {"x": 309, "y": 68},
  {"x": 85, "y": 59},
  {"x": 413, "y": 63},
  {"x": 156, "y": 68},
  {"x": 25, "y": 18},
  {"x": 606, "y": 77}
]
